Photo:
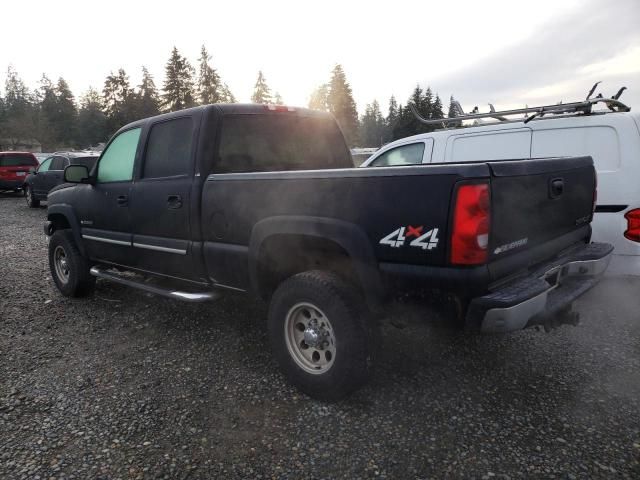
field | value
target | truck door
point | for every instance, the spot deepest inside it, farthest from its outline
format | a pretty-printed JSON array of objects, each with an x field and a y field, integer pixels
[
  {"x": 103, "y": 208},
  {"x": 161, "y": 199}
]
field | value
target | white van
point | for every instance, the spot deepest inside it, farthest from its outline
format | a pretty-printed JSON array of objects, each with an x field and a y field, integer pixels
[{"x": 611, "y": 138}]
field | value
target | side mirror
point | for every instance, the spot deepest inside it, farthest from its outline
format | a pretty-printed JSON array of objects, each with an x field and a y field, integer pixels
[{"x": 76, "y": 174}]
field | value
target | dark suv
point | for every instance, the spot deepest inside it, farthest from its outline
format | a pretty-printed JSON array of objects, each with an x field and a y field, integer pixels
[{"x": 50, "y": 174}]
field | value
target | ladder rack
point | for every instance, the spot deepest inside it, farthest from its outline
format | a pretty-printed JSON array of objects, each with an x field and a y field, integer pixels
[{"x": 584, "y": 107}]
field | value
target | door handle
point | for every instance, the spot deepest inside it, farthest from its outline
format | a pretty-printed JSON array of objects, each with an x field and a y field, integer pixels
[
  {"x": 174, "y": 201},
  {"x": 122, "y": 200}
]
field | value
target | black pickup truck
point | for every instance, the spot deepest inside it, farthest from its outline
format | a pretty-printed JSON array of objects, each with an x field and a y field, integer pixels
[{"x": 263, "y": 199}]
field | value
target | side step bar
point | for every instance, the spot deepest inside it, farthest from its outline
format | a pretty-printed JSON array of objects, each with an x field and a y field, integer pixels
[{"x": 169, "y": 293}]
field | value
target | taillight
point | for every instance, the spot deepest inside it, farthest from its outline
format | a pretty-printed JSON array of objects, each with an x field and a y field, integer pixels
[
  {"x": 471, "y": 224},
  {"x": 633, "y": 225}
]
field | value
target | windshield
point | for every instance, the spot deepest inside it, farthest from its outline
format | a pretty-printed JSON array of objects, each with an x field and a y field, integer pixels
[
  {"x": 17, "y": 160},
  {"x": 258, "y": 143}
]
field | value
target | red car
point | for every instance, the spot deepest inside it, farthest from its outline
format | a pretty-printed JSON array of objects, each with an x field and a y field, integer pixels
[{"x": 14, "y": 168}]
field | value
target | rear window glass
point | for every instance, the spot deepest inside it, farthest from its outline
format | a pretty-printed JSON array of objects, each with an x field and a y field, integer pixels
[
  {"x": 14, "y": 160},
  {"x": 169, "y": 149},
  {"x": 58, "y": 163},
  {"x": 259, "y": 143}
]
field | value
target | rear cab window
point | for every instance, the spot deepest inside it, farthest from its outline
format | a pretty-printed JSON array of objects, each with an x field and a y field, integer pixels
[
  {"x": 262, "y": 143},
  {"x": 168, "y": 152}
]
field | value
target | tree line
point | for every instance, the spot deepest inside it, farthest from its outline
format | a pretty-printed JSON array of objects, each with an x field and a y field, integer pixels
[{"x": 52, "y": 115}]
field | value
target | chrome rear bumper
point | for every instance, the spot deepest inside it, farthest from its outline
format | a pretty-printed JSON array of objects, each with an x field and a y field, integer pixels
[{"x": 543, "y": 296}]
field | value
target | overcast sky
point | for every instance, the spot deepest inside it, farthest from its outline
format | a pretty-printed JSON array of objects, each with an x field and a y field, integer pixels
[{"x": 505, "y": 52}]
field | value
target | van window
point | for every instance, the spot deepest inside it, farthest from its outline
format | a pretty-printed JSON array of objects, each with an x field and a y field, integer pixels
[
  {"x": 599, "y": 142},
  {"x": 496, "y": 145},
  {"x": 169, "y": 149},
  {"x": 116, "y": 163},
  {"x": 410, "y": 154}
]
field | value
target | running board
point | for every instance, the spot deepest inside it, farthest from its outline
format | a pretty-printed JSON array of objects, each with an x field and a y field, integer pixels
[{"x": 169, "y": 293}]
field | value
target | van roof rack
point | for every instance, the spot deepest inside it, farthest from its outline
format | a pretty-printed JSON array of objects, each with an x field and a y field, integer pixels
[{"x": 584, "y": 107}]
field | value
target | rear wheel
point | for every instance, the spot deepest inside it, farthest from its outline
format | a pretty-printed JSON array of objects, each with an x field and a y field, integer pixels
[
  {"x": 319, "y": 335},
  {"x": 32, "y": 202},
  {"x": 69, "y": 269}
]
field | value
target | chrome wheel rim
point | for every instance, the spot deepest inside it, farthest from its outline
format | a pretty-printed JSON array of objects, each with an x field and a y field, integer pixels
[
  {"x": 61, "y": 264},
  {"x": 310, "y": 338},
  {"x": 27, "y": 194}
]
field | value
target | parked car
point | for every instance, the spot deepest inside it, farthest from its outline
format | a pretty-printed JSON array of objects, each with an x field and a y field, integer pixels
[
  {"x": 14, "y": 168},
  {"x": 49, "y": 174},
  {"x": 262, "y": 199},
  {"x": 611, "y": 138}
]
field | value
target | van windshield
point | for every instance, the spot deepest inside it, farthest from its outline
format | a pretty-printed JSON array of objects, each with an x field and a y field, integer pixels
[{"x": 259, "y": 143}]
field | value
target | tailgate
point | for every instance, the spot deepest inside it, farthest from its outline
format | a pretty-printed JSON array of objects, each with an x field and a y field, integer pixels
[{"x": 536, "y": 202}]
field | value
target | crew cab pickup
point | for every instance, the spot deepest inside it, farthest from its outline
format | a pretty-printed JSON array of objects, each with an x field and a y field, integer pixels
[{"x": 263, "y": 199}]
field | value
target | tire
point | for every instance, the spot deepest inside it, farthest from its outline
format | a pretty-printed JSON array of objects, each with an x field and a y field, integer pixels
[
  {"x": 32, "y": 202},
  {"x": 69, "y": 269},
  {"x": 320, "y": 308}
]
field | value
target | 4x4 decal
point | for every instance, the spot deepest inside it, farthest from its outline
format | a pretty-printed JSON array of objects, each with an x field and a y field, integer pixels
[{"x": 425, "y": 240}]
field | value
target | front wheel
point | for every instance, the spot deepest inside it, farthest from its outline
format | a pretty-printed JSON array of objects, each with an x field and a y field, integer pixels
[
  {"x": 319, "y": 335},
  {"x": 69, "y": 269},
  {"x": 32, "y": 202}
]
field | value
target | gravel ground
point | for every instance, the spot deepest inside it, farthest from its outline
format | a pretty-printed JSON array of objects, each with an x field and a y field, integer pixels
[{"x": 126, "y": 385}]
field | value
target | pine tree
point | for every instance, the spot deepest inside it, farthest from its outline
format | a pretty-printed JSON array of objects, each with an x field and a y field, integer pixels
[
  {"x": 64, "y": 119},
  {"x": 178, "y": 84},
  {"x": 47, "y": 102},
  {"x": 148, "y": 100},
  {"x": 391, "y": 120},
  {"x": 119, "y": 101},
  {"x": 319, "y": 98},
  {"x": 261, "y": 91},
  {"x": 209, "y": 86},
  {"x": 453, "y": 112},
  {"x": 227, "y": 96},
  {"x": 342, "y": 105},
  {"x": 277, "y": 99},
  {"x": 436, "y": 108},
  {"x": 19, "y": 111},
  {"x": 372, "y": 126},
  {"x": 92, "y": 122}
]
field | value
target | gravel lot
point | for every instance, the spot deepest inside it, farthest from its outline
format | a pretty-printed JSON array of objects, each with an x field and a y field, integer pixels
[{"x": 126, "y": 385}]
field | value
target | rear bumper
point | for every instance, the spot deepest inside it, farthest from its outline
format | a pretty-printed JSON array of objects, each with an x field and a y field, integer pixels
[
  {"x": 542, "y": 296},
  {"x": 11, "y": 184}
]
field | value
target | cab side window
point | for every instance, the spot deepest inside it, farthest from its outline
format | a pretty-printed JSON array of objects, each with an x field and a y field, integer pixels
[
  {"x": 169, "y": 149},
  {"x": 44, "y": 166},
  {"x": 116, "y": 163},
  {"x": 403, "y": 155}
]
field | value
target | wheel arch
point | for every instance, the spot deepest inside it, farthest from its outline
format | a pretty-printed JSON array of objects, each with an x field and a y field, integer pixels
[
  {"x": 62, "y": 217},
  {"x": 340, "y": 237}
]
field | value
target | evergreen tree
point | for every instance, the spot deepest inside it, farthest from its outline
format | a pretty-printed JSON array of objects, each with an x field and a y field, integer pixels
[
  {"x": 19, "y": 112},
  {"x": 320, "y": 98},
  {"x": 261, "y": 91},
  {"x": 46, "y": 98},
  {"x": 178, "y": 84},
  {"x": 277, "y": 99},
  {"x": 209, "y": 84},
  {"x": 148, "y": 100},
  {"x": 119, "y": 101},
  {"x": 372, "y": 126},
  {"x": 64, "y": 119},
  {"x": 436, "y": 108},
  {"x": 227, "y": 96},
  {"x": 92, "y": 122},
  {"x": 453, "y": 112},
  {"x": 342, "y": 105},
  {"x": 391, "y": 120}
]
